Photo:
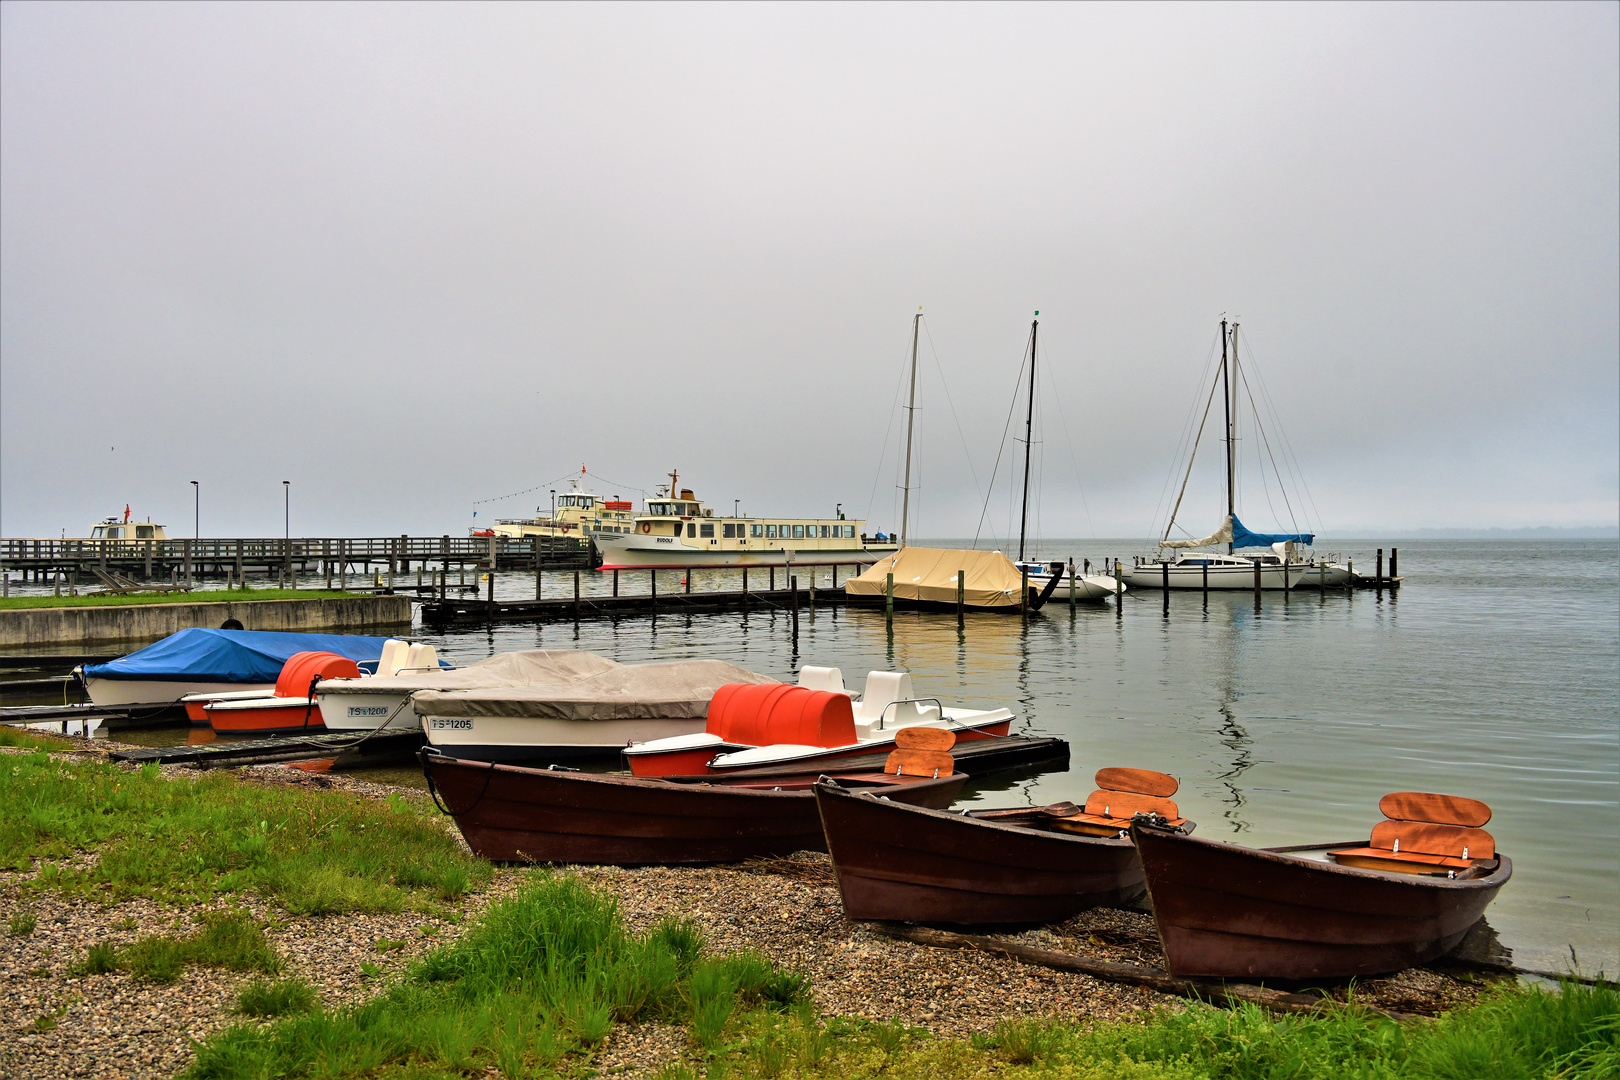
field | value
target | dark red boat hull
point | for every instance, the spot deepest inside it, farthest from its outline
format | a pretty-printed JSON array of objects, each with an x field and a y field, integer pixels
[
  {"x": 1225, "y": 910},
  {"x": 908, "y": 863},
  {"x": 512, "y": 814}
]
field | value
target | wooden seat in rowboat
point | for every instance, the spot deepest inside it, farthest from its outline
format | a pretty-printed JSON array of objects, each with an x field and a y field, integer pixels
[
  {"x": 1424, "y": 833},
  {"x": 921, "y": 751},
  {"x": 1120, "y": 795}
]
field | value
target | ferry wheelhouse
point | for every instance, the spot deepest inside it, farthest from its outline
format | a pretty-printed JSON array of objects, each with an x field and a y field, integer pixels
[
  {"x": 680, "y": 530},
  {"x": 580, "y": 515}
]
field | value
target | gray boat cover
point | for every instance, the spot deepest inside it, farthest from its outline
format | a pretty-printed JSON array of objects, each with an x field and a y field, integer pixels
[
  {"x": 675, "y": 689},
  {"x": 528, "y": 667}
]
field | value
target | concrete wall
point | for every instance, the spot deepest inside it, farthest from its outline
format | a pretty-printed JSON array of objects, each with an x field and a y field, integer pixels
[{"x": 378, "y": 615}]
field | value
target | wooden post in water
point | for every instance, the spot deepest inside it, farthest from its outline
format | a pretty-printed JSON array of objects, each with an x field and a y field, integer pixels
[
  {"x": 745, "y": 588},
  {"x": 576, "y": 595},
  {"x": 343, "y": 566},
  {"x": 1119, "y": 587},
  {"x": 1257, "y": 579},
  {"x": 539, "y": 569},
  {"x": 326, "y": 561},
  {"x": 1392, "y": 574},
  {"x": 1378, "y": 573},
  {"x": 888, "y": 598},
  {"x": 1071, "y": 583},
  {"x": 1023, "y": 592},
  {"x": 491, "y": 602},
  {"x": 688, "y": 580},
  {"x": 652, "y": 580},
  {"x": 615, "y": 582},
  {"x": 793, "y": 603},
  {"x": 961, "y": 596},
  {"x": 1205, "y": 576},
  {"x": 1286, "y": 587},
  {"x": 772, "y": 586},
  {"x": 147, "y": 576},
  {"x": 812, "y": 590}
]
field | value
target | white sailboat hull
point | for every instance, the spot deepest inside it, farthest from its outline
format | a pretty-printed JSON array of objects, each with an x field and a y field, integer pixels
[
  {"x": 1088, "y": 588},
  {"x": 1190, "y": 575}
]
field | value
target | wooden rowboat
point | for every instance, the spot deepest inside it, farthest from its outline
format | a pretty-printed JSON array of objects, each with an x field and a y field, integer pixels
[
  {"x": 1225, "y": 910},
  {"x": 512, "y": 814},
  {"x": 1026, "y": 865}
]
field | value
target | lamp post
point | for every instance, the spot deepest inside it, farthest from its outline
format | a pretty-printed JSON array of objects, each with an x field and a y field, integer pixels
[
  {"x": 735, "y": 503},
  {"x": 286, "y": 531},
  {"x": 840, "y": 511},
  {"x": 196, "y": 510}
]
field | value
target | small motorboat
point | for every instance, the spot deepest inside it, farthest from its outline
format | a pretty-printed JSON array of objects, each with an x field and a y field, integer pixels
[
  {"x": 1403, "y": 898},
  {"x": 594, "y": 715},
  {"x": 362, "y": 704},
  {"x": 292, "y": 708},
  {"x": 199, "y": 660},
  {"x": 396, "y": 654},
  {"x": 1025, "y": 865},
  {"x": 1088, "y": 588},
  {"x": 814, "y": 725},
  {"x": 508, "y": 813}
]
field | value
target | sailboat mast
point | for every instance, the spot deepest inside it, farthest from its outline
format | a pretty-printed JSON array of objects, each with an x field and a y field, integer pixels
[
  {"x": 1029, "y": 434},
  {"x": 911, "y": 416},
  {"x": 1226, "y": 402}
]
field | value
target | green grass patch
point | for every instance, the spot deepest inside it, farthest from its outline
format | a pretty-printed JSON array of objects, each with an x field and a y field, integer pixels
[
  {"x": 34, "y": 740},
  {"x": 283, "y": 997},
  {"x": 22, "y": 924},
  {"x": 226, "y": 939},
  {"x": 190, "y": 839},
  {"x": 196, "y": 596},
  {"x": 542, "y": 975}
]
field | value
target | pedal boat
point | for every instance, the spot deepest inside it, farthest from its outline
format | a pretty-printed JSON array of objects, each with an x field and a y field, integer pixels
[
  {"x": 292, "y": 709},
  {"x": 811, "y": 726},
  {"x": 1024, "y": 865},
  {"x": 509, "y": 813},
  {"x": 1403, "y": 898}
]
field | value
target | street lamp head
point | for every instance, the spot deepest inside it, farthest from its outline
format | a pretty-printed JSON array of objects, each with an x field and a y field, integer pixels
[{"x": 194, "y": 483}]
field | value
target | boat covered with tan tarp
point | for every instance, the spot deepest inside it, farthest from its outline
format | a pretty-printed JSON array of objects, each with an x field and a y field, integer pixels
[{"x": 927, "y": 577}]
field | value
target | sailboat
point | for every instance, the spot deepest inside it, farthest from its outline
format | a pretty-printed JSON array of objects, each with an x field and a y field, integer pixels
[
  {"x": 1088, "y": 587},
  {"x": 947, "y": 578},
  {"x": 1251, "y": 560}
]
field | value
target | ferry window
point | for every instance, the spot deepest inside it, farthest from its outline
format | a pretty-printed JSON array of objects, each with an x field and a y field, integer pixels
[
  {"x": 849, "y": 531},
  {"x": 770, "y": 532},
  {"x": 98, "y": 531},
  {"x": 729, "y": 532},
  {"x": 587, "y": 502},
  {"x": 798, "y": 532},
  {"x": 756, "y": 530},
  {"x": 115, "y": 533},
  {"x": 691, "y": 529},
  {"x": 826, "y": 530},
  {"x": 707, "y": 530},
  {"x": 143, "y": 532}
]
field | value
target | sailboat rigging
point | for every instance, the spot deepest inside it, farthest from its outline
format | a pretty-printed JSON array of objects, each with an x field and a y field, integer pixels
[{"x": 1269, "y": 561}]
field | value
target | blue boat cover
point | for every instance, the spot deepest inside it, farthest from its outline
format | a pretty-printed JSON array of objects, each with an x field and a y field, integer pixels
[
  {"x": 1243, "y": 538},
  {"x": 242, "y": 656}
]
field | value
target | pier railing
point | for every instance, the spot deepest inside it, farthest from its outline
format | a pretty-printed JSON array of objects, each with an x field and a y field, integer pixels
[{"x": 43, "y": 556}]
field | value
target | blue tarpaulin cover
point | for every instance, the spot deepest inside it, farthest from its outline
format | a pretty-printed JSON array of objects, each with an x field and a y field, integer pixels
[
  {"x": 1243, "y": 538},
  {"x": 244, "y": 656}
]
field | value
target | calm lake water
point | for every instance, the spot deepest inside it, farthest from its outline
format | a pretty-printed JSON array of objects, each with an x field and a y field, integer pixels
[{"x": 1494, "y": 673}]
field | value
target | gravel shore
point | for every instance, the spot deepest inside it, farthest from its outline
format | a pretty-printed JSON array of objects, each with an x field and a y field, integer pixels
[{"x": 107, "y": 1026}]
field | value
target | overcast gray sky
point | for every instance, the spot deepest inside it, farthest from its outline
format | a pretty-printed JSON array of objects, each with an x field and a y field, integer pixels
[{"x": 413, "y": 256}]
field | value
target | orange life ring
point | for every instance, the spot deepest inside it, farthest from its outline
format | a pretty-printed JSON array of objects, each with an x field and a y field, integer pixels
[{"x": 646, "y": 526}]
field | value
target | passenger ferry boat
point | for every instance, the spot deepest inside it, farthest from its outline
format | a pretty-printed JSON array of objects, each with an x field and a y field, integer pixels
[
  {"x": 114, "y": 529},
  {"x": 680, "y": 530},
  {"x": 580, "y": 515}
]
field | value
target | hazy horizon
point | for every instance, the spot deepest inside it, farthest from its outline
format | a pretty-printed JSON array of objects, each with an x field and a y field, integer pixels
[{"x": 415, "y": 257}]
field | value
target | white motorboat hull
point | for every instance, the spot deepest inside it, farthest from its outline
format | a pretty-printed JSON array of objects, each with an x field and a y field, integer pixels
[
  {"x": 1332, "y": 576},
  {"x": 1088, "y": 588},
  {"x": 638, "y": 551},
  {"x": 1190, "y": 575},
  {"x": 522, "y": 738},
  {"x": 123, "y": 693},
  {"x": 346, "y": 710}
]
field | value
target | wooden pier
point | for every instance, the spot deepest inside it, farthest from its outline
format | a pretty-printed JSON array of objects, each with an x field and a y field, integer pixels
[
  {"x": 186, "y": 561},
  {"x": 444, "y": 610}
]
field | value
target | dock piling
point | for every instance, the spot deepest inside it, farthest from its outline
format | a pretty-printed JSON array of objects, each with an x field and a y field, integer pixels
[
  {"x": 1392, "y": 572},
  {"x": 1257, "y": 579},
  {"x": 576, "y": 592},
  {"x": 888, "y": 598},
  {"x": 961, "y": 597},
  {"x": 615, "y": 583},
  {"x": 1071, "y": 583},
  {"x": 1378, "y": 572},
  {"x": 793, "y": 603}
]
